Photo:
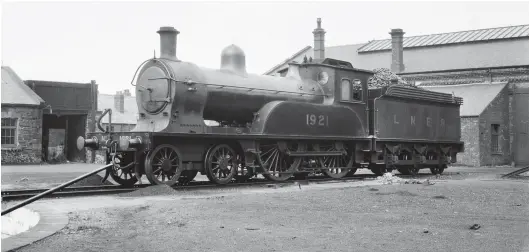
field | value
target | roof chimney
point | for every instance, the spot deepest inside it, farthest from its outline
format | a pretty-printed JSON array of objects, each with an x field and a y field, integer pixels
[
  {"x": 168, "y": 42},
  {"x": 119, "y": 101},
  {"x": 397, "y": 48},
  {"x": 319, "y": 41}
]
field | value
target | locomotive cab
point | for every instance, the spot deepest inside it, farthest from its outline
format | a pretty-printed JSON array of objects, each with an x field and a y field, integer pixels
[{"x": 340, "y": 82}]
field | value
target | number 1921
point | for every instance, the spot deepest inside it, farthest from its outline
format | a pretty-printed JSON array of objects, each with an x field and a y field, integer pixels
[{"x": 318, "y": 120}]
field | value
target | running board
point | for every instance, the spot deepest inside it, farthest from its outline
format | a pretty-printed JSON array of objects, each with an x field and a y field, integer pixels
[{"x": 514, "y": 173}]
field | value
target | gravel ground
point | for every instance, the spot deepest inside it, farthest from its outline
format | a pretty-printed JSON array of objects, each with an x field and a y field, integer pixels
[{"x": 397, "y": 217}]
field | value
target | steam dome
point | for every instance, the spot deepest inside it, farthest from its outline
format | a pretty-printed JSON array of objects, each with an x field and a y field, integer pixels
[{"x": 233, "y": 59}]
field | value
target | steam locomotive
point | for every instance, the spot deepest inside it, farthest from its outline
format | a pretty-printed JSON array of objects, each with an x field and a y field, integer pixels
[{"x": 320, "y": 118}]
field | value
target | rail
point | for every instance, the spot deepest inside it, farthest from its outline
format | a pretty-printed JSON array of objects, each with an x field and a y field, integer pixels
[
  {"x": 517, "y": 172},
  {"x": 50, "y": 191}
]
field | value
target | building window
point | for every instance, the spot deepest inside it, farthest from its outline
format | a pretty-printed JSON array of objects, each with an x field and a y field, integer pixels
[
  {"x": 495, "y": 135},
  {"x": 9, "y": 131}
]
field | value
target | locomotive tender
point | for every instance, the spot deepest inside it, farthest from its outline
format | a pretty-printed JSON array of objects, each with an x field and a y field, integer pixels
[{"x": 320, "y": 118}]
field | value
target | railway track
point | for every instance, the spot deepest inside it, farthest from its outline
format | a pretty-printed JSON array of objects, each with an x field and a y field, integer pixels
[{"x": 11, "y": 195}]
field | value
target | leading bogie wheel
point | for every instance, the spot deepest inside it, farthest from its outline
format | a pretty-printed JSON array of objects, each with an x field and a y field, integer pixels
[
  {"x": 221, "y": 164},
  {"x": 278, "y": 165},
  {"x": 123, "y": 172},
  {"x": 163, "y": 165}
]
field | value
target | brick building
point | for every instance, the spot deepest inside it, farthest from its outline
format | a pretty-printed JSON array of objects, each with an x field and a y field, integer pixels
[
  {"x": 477, "y": 57},
  {"x": 21, "y": 121},
  {"x": 41, "y": 120},
  {"x": 484, "y": 122}
]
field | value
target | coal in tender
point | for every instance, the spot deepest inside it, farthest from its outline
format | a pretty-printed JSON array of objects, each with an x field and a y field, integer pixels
[
  {"x": 94, "y": 180},
  {"x": 153, "y": 190}
]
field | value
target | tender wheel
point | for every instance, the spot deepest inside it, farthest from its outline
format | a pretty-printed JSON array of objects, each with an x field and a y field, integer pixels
[
  {"x": 438, "y": 170},
  {"x": 277, "y": 164},
  {"x": 412, "y": 170},
  {"x": 123, "y": 176},
  {"x": 187, "y": 176},
  {"x": 432, "y": 155},
  {"x": 221, "y": 164},
  {"x": 163, "y": 165},
  {"x": 338, "y": 165}
]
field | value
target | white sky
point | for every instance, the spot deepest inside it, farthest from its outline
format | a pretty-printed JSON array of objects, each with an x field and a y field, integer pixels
[{"x": 106, "y": 41}]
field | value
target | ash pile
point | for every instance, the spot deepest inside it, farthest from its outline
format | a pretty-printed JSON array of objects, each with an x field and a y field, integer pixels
[{"x": 389, "y": 178}]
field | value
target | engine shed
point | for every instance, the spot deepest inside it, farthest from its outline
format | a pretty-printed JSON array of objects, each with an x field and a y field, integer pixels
[{"x": 67, "y": 112}]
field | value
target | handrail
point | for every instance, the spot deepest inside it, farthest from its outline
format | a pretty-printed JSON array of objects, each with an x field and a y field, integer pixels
[{"x": 36, "y": 197}]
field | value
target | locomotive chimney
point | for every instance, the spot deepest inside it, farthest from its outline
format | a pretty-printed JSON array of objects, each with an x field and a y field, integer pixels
[
  {"x": 168, "y": 42},
  {"x": 319, "y": 41},
  {"x": 397, "y": 48}
]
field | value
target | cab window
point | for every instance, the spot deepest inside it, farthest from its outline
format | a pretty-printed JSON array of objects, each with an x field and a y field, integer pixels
[
  {"x": 346, "y": 90},
  {"x": 357, "y": 90},
  {"x": 351, "y": 91}
]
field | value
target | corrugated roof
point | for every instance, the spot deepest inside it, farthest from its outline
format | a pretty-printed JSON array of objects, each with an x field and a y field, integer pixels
[
  {"x": 105, "y": 101},
  {"x": 476, "y": 97},
  {"x": 451, "y": 38},
  {"x": 14, "y": 91}
]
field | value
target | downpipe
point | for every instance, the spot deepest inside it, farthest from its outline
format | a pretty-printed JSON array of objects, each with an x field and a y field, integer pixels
[{"x": 50, "y": 191}]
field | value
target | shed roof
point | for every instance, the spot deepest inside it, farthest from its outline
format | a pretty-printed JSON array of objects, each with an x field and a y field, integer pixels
[
  {"x": 105, "y": 101},
  {"x": 488, "y": 34},
  {"x": 490, "y": 48},
  {"x": 476, "y": 97},
  {"x": 15, "y": 91}
]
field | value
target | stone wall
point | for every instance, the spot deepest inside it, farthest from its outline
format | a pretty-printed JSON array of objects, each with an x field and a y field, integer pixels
[
  {"x": 28, "y": 148},
  {"x": 497, "y": 112},
  {"x": 470, "y": 136}
]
